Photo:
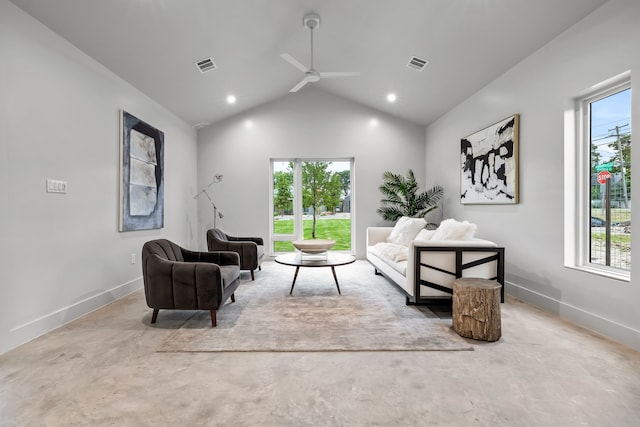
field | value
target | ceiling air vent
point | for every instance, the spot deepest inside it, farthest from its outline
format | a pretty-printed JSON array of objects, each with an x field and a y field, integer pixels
[
  {"x": 417, "y": 63},
  {"x": 205, "y": 65}
]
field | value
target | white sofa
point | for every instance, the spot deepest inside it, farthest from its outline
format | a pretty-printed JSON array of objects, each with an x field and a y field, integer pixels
[{"x": 432, "y": 265}]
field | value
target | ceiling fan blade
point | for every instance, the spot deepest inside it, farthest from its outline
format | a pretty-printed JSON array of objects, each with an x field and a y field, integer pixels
[
  {"x": 300, "y": 85},
  {"x": 333, "y": 74},
  {"x": 291, "y": 60}
]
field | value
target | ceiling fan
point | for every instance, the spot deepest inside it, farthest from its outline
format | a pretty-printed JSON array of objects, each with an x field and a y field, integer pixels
[{"x": 312, "y": 21}]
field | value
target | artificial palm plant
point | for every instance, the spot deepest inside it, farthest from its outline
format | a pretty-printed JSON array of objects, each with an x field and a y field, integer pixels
[{"x": 401, "y": 197}]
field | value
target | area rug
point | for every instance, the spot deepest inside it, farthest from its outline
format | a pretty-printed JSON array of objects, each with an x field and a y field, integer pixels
[{"x": 370, "y": 315}]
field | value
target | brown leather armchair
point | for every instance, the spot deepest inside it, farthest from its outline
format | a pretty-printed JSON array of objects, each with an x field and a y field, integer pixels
[
  {"x": 178, "y": 279},
  {"x": 250, "y": 249}
]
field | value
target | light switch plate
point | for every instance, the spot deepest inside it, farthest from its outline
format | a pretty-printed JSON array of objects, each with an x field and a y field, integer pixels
[{"x": 56, "y": 186}]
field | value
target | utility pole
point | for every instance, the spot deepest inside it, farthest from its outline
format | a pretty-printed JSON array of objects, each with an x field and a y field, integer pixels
[{"x": 622, "y": 168}]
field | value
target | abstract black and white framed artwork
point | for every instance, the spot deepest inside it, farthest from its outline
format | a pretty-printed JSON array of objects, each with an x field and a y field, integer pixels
[
  {"x": 489, "y": 164},
  {"x": 141, "y": 175}
]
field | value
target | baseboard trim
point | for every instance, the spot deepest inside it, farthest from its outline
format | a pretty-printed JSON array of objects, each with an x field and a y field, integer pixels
[
  {"x": 608, "y": 328},
  {"x": 32, "y": 329}
]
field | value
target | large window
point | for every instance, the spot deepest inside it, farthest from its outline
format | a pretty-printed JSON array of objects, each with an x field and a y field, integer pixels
[
  {"x": 604, "y": 139},
  {"x": 311, "y": 198}
]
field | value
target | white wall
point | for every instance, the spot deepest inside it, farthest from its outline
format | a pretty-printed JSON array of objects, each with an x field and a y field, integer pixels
[
  {"x": 61, "y": 255},
  {"x": 540, "y": 89},
  {"x": 308, "y": 124}
]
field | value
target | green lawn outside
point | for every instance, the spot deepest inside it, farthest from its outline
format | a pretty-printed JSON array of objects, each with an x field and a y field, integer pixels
[
  {"x": 617, "y": 214},
  {"x": 326, "y": 228},
  {"x": 620, "y": 239}
]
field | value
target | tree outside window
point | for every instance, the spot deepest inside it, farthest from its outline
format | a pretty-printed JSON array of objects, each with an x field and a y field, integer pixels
[{"x": 283, "y": 191}]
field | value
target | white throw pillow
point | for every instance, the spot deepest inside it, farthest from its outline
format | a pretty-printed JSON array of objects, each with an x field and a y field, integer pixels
[
  {"x": 450, "y": 229},
  {"x": 392, "y": 251},
  {"x": 425, "y": 234},
  {"x": 405, "y": 230}
]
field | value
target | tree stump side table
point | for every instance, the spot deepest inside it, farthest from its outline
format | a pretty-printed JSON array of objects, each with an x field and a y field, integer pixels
[{"x": 476, "y": 309}]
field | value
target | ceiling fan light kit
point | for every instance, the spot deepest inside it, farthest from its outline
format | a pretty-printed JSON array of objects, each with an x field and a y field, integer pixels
[{"x": 312, "y": 21}]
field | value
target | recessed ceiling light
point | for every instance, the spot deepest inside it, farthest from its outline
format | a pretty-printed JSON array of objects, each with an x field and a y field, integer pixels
[
  {"x": 391, "y": 97},
  {"x": 231, "y": 99}
]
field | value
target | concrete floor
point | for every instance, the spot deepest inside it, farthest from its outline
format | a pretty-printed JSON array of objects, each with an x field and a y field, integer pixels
[{"x": 103, "y": 370}]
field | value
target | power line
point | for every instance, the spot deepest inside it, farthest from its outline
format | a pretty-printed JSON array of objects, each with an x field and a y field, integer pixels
[
  {"x": 604, "y": 124},
  {"x": 622, "y": 165}
]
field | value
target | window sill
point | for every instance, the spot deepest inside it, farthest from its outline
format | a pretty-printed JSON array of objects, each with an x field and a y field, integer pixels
[{"x": 623, "y": 276}]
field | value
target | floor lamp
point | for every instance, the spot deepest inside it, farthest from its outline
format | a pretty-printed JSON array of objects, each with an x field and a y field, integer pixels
[{"x": 216, "y": 212}]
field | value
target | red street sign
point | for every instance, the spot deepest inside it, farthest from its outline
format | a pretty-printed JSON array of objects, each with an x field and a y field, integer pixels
[{"x": 603, "y": 176}]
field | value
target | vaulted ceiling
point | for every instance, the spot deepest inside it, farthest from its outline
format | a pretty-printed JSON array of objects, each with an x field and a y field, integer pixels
[{"x": 153, "y": 44}]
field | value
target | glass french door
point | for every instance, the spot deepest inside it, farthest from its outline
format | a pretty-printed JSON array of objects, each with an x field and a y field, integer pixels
[{"x": 311, "y": 198}]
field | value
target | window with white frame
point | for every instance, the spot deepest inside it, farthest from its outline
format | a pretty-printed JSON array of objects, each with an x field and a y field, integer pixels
[
  {"x": 311, "y": 198},
  {"x": 603, "y": 203}
]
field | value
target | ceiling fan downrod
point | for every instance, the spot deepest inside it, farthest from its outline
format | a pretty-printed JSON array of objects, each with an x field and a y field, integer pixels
[{"x": 311, "y": 21}]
